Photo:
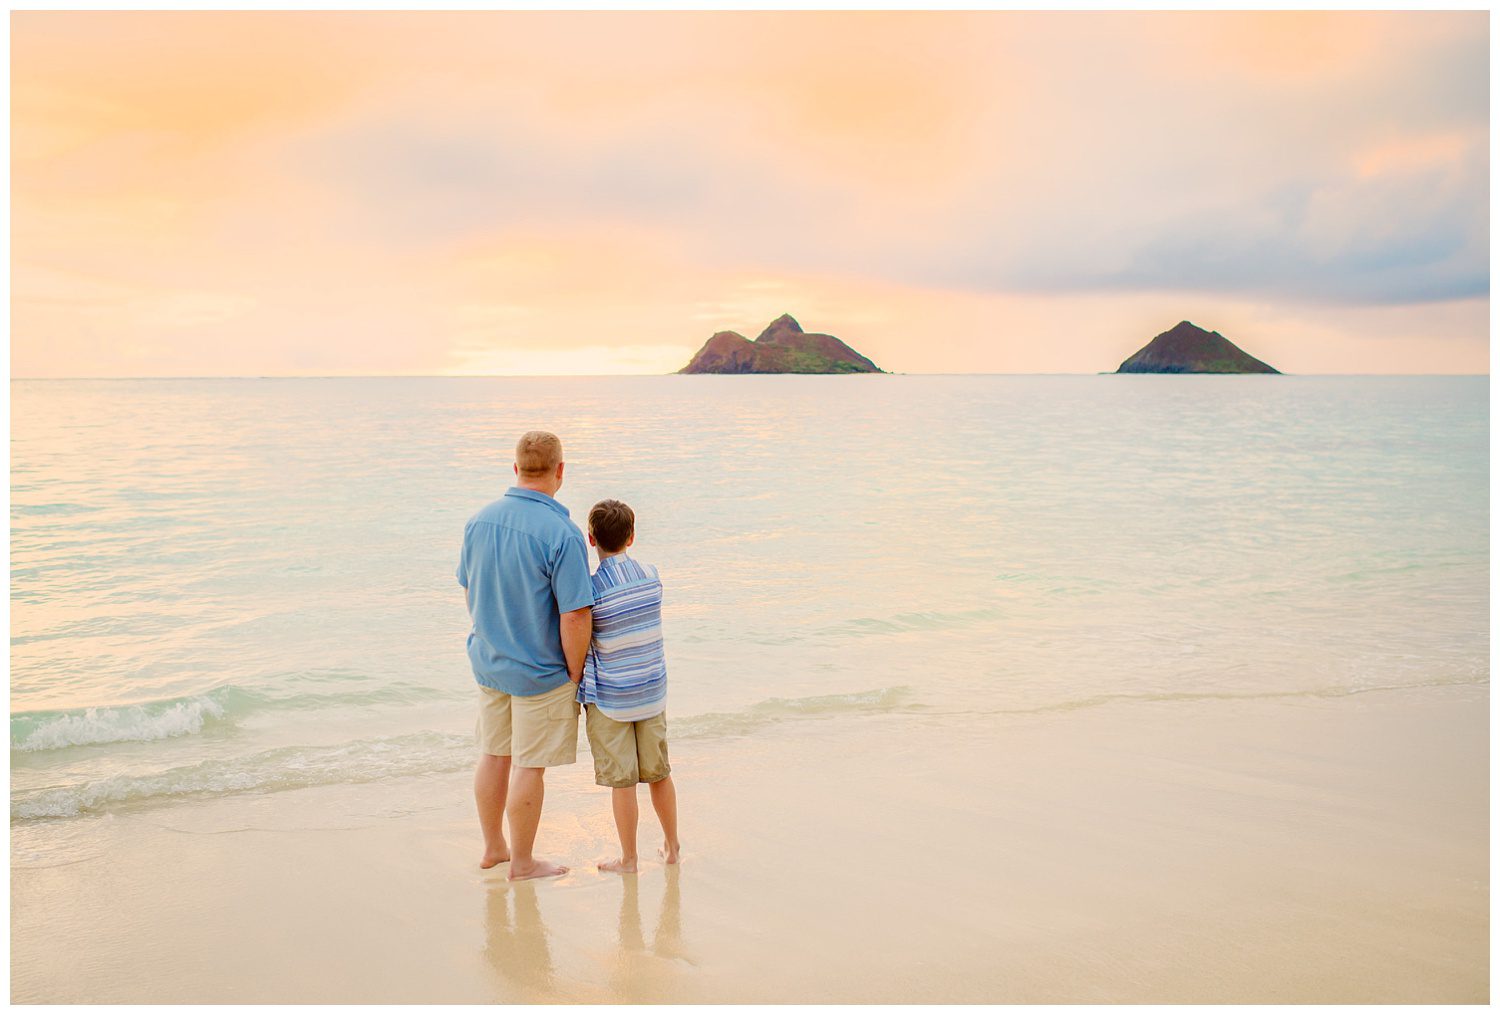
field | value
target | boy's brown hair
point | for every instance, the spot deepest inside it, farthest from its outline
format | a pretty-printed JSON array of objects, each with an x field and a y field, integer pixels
[{"x": 611, "y": 523}]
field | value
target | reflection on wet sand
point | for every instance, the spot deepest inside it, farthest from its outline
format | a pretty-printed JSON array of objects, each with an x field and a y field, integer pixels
[
  {"x": 639, "y": 973},
  {"x": 518, "y": 946},
  {"x": 668, "y": 940},
  {"x": 515, "y": 941}
]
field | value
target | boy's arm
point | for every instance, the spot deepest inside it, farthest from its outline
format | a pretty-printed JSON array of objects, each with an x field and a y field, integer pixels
[{"x": 577, "y": 629}]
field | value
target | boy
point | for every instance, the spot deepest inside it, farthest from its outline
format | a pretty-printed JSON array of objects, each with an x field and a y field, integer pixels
[{"x": 624, "y": 684}]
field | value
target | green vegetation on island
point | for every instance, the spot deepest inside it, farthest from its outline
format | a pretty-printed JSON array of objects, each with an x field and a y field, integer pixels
[{"x": 783, "y": 348}]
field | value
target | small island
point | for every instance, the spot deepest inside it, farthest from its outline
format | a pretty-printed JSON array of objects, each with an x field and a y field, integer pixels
[
  {"x": 1188, "y": 349},
  {"x": 783, "y": 348}
]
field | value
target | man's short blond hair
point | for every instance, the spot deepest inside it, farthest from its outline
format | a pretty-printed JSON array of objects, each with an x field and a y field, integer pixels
[{"x": 538, "y": 453}]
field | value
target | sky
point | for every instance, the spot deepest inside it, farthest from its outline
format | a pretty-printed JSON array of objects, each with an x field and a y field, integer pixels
[{"x": 356, "y": 193}]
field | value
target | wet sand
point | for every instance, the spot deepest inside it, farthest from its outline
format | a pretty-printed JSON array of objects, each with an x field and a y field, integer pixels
[{"x": 1289, "y": 849}]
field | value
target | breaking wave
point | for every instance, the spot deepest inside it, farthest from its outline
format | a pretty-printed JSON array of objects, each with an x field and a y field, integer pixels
[
  {"x": 284, "y": 768},
  {"x": 176, "y": 717},
  {"x": 357, "y": 761}
]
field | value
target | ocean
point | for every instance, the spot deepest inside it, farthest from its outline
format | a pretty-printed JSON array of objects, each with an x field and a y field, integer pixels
[{"x": 228, "y": 592}]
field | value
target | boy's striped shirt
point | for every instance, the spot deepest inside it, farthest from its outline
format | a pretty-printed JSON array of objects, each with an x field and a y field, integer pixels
[{"x": 625, "y": 673}]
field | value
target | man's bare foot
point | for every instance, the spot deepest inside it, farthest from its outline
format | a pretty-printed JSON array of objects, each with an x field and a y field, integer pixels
[
  {"x": 494, "y": 859},
  {"x": 620, "y": 866},
  {"x": 670, "y": 853},
  {"x": 537, "y": 869}
]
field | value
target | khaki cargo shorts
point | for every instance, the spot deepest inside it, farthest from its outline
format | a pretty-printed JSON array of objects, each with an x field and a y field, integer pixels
[
  {"x": 537, "y": 731},
  {"x": 626, "y": 753}
]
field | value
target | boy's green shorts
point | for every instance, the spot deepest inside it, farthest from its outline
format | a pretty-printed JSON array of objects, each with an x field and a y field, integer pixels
[{"x": 626, "y": 753}]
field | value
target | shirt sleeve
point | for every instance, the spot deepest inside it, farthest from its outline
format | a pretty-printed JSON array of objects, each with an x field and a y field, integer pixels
[
  {"x": 462, "y": 574},
  {"x": 571, "y": 583}
]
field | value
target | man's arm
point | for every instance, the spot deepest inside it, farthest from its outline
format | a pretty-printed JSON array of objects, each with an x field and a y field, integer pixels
[{"x": 577, "y": 629}]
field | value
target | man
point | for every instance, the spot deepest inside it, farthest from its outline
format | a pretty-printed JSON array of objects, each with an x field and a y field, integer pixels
[{"x": 525, "y": 573}]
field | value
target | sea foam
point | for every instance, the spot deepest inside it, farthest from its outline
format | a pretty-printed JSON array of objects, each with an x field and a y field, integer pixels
[
  {"x": 176, "y": 717},
  {"x": 159, "y": 720},
  {"x": 778, "y": 710},
  {"x": 285, "y": 768}
]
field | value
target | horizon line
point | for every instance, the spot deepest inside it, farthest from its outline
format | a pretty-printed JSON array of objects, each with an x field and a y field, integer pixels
[{"x": 885, "y": 373}]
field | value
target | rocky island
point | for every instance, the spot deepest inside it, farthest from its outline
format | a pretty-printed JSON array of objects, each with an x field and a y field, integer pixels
[
  {"x": 1188, "y": 349},
  {"x": 783, "y": 348}
]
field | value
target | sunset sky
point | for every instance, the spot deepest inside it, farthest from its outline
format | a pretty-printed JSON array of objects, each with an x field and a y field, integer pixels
[{"x": 581, "y": 193}]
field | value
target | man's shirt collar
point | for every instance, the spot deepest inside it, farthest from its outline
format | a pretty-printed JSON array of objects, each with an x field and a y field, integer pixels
[{"x": 538, "y": 496}]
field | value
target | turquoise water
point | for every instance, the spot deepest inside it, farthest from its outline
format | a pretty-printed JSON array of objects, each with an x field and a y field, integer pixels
[{"x": 246, "y": 586}]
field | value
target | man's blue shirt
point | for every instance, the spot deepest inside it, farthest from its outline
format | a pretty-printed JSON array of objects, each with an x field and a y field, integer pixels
[{"x": 523, "y": 562}]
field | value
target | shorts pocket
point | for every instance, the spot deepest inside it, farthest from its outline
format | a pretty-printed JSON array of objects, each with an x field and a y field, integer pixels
[{"x": 566, "y": 706}]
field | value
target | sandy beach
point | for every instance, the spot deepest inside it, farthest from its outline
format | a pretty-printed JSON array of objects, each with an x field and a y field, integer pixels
[{"x": 1283, "y": 849}]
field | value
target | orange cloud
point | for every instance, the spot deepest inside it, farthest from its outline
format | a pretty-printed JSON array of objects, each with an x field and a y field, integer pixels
[{"x": 391, "y": 192}]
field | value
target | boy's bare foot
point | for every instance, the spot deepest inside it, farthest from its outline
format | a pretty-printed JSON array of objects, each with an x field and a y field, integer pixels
[
  {"x": 620, "y": 866},
  {"x": 537, "y": 869},
  {"x": 494, "y": 859},
  {"x": 670, "y": 853}
]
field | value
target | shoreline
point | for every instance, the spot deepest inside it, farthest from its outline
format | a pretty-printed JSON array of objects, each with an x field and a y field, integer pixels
[{"x": 1304, "y": 850}]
